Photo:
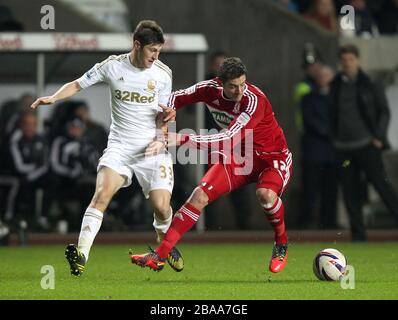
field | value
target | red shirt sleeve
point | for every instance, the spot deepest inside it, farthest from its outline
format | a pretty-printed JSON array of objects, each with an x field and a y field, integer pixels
[
  {"x": 239, "y": 128},
  {"x": 199, "y": 92}
]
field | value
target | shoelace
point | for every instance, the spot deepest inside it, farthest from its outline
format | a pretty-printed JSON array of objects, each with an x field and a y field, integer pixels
[
  {"x": 280, "y": 251},
  {"x": 152, "y": 254}
]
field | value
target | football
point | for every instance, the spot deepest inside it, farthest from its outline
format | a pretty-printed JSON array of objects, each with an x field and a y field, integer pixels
[{"x": 329, "y": 265}]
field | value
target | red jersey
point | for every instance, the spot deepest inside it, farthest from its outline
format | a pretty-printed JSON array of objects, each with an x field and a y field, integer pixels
[{"x": 254, "y": 111}]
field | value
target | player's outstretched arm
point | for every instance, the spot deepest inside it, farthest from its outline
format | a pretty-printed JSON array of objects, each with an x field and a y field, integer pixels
[{"x": 67, "y": 90}]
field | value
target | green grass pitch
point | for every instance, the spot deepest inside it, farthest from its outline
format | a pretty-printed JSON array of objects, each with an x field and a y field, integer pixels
[{"x": 212, "y": 271}]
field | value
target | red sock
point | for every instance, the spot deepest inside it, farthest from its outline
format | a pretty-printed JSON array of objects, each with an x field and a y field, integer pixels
[
  {"x": 275, "y": 216},
  {"x": 183, "y": 221}
]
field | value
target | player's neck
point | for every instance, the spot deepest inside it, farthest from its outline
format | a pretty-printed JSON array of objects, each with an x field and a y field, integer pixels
[
  {"x": 225, "y": 96},
  {"x": 135, "y": 61}
]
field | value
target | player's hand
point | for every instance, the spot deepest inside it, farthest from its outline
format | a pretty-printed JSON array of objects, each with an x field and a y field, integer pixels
[
  {"x": 154, "y": 148},
  {"x": 42, "y": 100},
  {"x": 173, "y": 139},
  {"x": 169, "y": 114},
  {"x": 160, "y": 124}
]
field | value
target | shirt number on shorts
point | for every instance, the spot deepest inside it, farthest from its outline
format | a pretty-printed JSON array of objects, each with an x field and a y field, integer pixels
[
  {"x": 166, "y": 171},
  {"x": 280, "y": 165}
]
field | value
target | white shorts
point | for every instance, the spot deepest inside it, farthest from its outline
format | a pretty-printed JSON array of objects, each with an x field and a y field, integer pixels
[{"x": 152, "y": 173}]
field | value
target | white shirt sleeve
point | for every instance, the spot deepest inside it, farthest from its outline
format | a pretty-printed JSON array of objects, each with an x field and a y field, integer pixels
[
  {"x": 94, "y": 75},
  {"x": 164, "y": 93}
]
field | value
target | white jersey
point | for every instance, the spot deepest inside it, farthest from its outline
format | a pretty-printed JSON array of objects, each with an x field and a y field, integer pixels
[{"x": 135, "y": 95}]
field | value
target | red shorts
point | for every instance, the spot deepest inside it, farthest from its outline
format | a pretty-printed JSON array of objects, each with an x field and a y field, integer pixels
[{"x": 270, "y": 170}]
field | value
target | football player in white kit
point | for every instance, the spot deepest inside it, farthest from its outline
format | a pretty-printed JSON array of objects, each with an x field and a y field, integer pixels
[{"x": 139, "y": 84}]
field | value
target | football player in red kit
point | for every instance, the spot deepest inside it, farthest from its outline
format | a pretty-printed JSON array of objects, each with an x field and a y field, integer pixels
[{"x": 246, "y": 114}]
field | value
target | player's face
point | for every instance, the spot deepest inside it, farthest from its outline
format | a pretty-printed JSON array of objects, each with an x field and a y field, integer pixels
[
  {"x": 148, "y": 54},
  {"x": 349, "y": 63},
  {"x": 233, "y": 89}
]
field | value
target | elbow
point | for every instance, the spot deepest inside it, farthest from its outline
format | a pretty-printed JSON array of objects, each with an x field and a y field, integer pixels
[{"x": 76, "y": 85}]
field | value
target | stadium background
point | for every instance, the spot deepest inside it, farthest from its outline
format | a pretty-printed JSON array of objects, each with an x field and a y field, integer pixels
[{"x": 268, "y": 38}]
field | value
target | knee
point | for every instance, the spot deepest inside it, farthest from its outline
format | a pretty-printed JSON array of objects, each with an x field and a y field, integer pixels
[
  {"x": 267, "y": 197},
  {"x": 102, "y": 196},
  {"x": 161, "y": 206},
  {"x": 199, "y": 198}
]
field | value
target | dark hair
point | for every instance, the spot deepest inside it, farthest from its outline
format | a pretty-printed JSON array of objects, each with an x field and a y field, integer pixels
[
  {"x": 231, "y": 68},
  {"x": 77, "y": 104},
  {"x": 349, "y": 48},
  {"x": 217, "y": 54},
  {"x": 148, "y": 32}
]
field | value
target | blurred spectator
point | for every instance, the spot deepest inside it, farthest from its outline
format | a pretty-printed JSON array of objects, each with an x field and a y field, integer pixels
[
  {"x": 55, "y": 124},
  {"x": 73, "y": 162},
  {"x": 323, "y": 13},
  {"x": 128, "y": 210},
  {"x": 289, "y": 5},
  {"x": 94, "y": 133},
  {"x": 10, "y": 112},
  {"x": 28, "y": 149},
  {"x": 364, "y": 22},
  {"x": 319, "y": 172},
  {"x": 9, "y": 185},
  {"x": 302, "y": 5},
  {"x": 359, "y": 120},
  {"x": 387, "y": 18},
  {"x": 4, "y": 234},
  {"x": 216, "y": 58},
  {"x": 8, "y": 21},
  {"x": 29, "y": 155},
  {"x": 311, "y": 65}
]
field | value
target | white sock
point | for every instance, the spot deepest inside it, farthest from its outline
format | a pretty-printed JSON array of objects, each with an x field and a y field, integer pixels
[
  {"x": 161, "y": 226},
  {"x": 90, "y": 226}
]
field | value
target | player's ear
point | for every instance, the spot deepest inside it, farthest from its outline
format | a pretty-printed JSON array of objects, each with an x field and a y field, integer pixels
[{"x": 136, "y": 45}]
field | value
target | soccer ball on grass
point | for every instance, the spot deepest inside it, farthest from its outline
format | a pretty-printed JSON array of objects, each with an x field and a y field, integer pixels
[{"x": 329, "y": 265}]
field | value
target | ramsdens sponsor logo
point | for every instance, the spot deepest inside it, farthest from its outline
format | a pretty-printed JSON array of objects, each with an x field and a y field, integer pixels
[
  {"x": 75, "y": 41},
  {"x": 132, "y": 96},
  {"x": 222, "y": 118},
  {"x": 10, "y": 42}
]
